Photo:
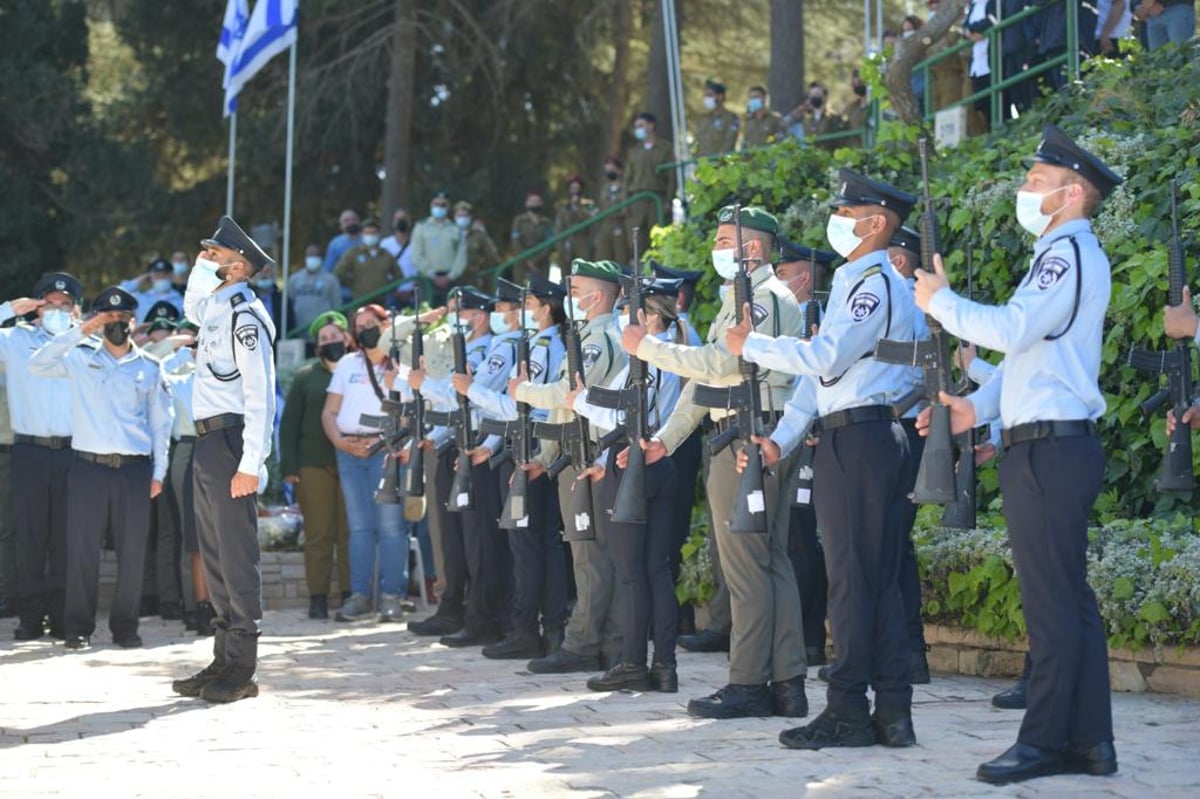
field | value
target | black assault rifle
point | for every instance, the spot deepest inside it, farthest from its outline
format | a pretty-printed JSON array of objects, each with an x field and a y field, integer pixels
[
  {"x": 804, "y": 460},
  {"x": 414, "y": 478},
  {"x": 960, "y": 514}
]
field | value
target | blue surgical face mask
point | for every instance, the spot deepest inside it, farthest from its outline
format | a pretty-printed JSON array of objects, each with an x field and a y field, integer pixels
[
  {"x": 370, "y": 239},
  {"x": 180, "y": 268},
  {"x": 498, "y": 323},
  {"x": 437, "y": 211},
  {"x": 640, "y": 134},
  {"x": 463, "y": 222},
  {"x": 162, "y": 285},
  {"x": 56, "y": 321},
  {"x": 312, "y": 263},
  {"x": 754, "y": 105},
  {"x": 265, "y": 283}
]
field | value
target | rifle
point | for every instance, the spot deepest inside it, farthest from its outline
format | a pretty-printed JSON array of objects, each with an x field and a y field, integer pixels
[
  {"x": 749, "y": 513},
  {"x": 574, "y": 437},
  {"x": 1176, "y": 364},
  {"x": 414, "y": 482},
  {"x": 804, "y": 460},
  {"x": 960, "y": 514},
  {"x": 461, "y": 495},
  {"x": 394, "y": 433},
  {"x": 935, "y": 477},
  {"x": 519, "y": 435},
  {"x": 629, "y": 506}
]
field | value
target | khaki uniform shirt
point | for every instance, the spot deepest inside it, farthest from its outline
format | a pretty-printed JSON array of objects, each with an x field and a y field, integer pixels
[
  {"x": 641, "y": 164},
  {"x": 716, "y": 132},
  {"x": 577, "y": 245},
  {"x": 765, "y": 129},
  {"x": 364, "y": 269}
]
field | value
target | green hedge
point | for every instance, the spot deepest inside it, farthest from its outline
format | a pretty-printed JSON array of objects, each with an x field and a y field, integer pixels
[{"x": 1139, "y": 115}]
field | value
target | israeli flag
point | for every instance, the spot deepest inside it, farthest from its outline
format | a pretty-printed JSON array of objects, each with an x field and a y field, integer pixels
[
  {"x": 270, "y": 31},
  {"x": 237, "y": 15}
]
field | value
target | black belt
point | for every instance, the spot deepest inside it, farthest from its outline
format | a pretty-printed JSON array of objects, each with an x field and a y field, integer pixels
[
  {"x": 5, "y": 447},
  {"x": 859, "y": 415},
  {"x": 214, "y": 423},
  {"x": 766, "y": 417},
  {"x": 111, "y": 461},
  {"x": 50, "y": 442},
  {"x": 186, "y": 440},
  {"x": 1034, "y": 431}
]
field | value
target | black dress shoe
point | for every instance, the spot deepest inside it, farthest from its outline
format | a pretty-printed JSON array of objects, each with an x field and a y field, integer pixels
[
  {"x": 465, "y": 638},
  {"x": 522, "y": 645},
  {"x": 622, "y": 677},
  {"x": 788, "y": 698},
  {"x": 705, "y": 641},
  {"x": 437, "y": 624},
  {"x": 918, "y": 668},
  {"x": 1021, "y": 762},
  {"x": 831, "y": 729},
  {"x": 734, "y": 702},
  {"x": 1099, "y": 760},
  {"x": 564, "y": 661},
  {"x": 318, "y": 606},
  {"x": 664, "y": 678},
  {"x": 128, "y": 641},
  {"x": 815, "y": 655},
  {"x": 170, "y": 611},
  {"x": 823, "y": 673},
  {"x": 29, "y": 632},
  {"x": 1012, "y": 698},
  {"x": 56, "y": 630},
  {"x": 552, "y": 639},
  {"x": 77, "y": 642},
  {"x": 894, "y": 728}
]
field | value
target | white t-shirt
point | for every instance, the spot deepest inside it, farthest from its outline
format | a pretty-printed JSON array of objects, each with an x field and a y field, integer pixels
[{"x": 351, "y": 381}]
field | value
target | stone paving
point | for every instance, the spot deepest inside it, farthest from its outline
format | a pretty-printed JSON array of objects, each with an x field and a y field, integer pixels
[{"x": 371, "y": 711}]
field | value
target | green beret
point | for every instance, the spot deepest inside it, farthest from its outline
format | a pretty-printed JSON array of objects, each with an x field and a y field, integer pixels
[
  {"x": 600, "y": 270},
  {"x": 753, "y": 217},
  {"x": 328, "y": 318}
]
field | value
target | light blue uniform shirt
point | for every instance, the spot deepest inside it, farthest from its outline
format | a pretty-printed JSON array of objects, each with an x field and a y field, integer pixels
[
  {"x": 546, "y": 353},
  {"x": 147, "y": 299},
  {"x": 179, "y": 372},
  {"x": 1047, "y": 374},
  {"x": 441, "y": 394},
  {"x": 868, "y": 301},
  {"x": 38, "y": 406},
  {"x": 118, "y": 406}
]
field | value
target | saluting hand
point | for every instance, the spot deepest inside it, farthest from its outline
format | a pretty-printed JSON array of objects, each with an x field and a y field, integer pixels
[
  {"x": 155, "y": 488},
  {"x": 1179, "y": 321},
  {"x": 243, "y": 485},
  {"x": 632, "y": 336},
  {"x": 736, "y": 335},
  {"x": 930, "y": 283},
  {"x": 962, "y": 414},
  {"x": 24, "y": 305}
]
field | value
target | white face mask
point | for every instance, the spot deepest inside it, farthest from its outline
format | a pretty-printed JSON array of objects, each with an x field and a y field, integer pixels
[
  {"x": 56, "y": 321},
  {"x": 204, "y": 276},
  {"x": 529, "y": 320},
  {"x": 312, "y": 263},
  {"x": 725, "y": 263},
  {"x": 498, "y": 322},
  {"x": 575, "y": 310},
  {"x": 710, "y": 102},
  {"x": 840, "y": 232},
  {"x": 180, "y": 268},
  {"x": 370, "y": 239},
  {"x": 1029, "y": 211},
  {"x": 724, "y": 291},
  {"x": 622, "y": 322}
]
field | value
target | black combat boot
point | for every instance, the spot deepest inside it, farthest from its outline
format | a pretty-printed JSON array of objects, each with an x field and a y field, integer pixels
[
  {"x": 191, "y": 686},
  {"x": 236, "y": 680},
  {"x": 318, "y": 606}
]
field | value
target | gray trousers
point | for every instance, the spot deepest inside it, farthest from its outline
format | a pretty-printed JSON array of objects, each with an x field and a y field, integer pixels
[
  {"x": 8, "y": 529},
  {"x": 767, "y": 639},
  {"x": 719, "y": 489},
  {"x": 594, "y": 626},
  {"x": 228, "y": 532}
]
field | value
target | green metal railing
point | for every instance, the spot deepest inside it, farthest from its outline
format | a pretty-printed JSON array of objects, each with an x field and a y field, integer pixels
[
  {"x": 994, "y": 92},
  {"x": 427, "y": 285}
]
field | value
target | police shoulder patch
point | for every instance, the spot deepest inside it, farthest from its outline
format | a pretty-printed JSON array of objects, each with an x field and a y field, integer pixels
[
  {"x": 862, "y": 305},
  {"x": 496, "y": 363},
  {"x": 591, "y": 354},
  {"x": 535, "y": 369},
  {"x": 760, "y": 313},
  {"x": 1051, "y": 271},
  {"x": 247, "y": 336}
]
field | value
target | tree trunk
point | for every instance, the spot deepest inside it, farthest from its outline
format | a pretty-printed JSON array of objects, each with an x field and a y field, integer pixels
[
  {"x": 399, "y": 117},
  {"x": 618, "y": 96},
  {"x": 658, "y": 93},
  {"x": 785, "y": 79},
  {"x": 911, "y": 50}
]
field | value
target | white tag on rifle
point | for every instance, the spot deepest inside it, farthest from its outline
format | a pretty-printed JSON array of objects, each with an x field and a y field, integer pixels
[
  {"x": 463, "y": 500},
  {"x": 523, "y": 521},
  {"x": 803, "y": 495},
  {"x": 805, "y": 473},
  {"x": 583, "y": 522},
  {"x": 755, "y": 503}
]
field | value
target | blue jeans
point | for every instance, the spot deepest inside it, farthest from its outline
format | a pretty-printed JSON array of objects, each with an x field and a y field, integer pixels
[
  {"x": 373, "y": 526},
  {"x": 1175, "y": 25}
]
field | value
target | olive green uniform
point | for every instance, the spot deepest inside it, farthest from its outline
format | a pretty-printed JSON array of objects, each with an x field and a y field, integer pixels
[
  {"x": 716, "y": 132},
  {"x": 482, "y": 255},
  {"x": 641, "y": 174},
  {"x": 364, "y": 269},
  {"x": 766, "y": 639},
  {"x": 529, "y": 231},
  {"x": 764, "y": 128},
  {"x": 577, "y": 245},
  {"x": 610, "y": 236}
]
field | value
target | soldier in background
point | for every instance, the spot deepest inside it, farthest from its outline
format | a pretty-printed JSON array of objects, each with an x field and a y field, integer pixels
[
  {"x": 610, "y": 236},
  {"x": 717, "y": 128},
  {"x": 643, "y": 173},
  {"x": 763, "y": 126},
  {"x": 578, "y": 209}
]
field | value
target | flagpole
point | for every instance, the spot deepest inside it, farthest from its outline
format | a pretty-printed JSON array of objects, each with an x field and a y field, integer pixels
[
  {"x": 287, "y": 187},
  {"x": 232, "y": 159}
]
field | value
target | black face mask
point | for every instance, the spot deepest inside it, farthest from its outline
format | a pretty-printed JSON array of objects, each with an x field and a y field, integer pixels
[
  {"x": 816, "y": 102},
  {"x": 860, "y": 90},
  {"x": 533, "y": 209},
  {"x": 354, "y": 229},
  {"x": 334, "y": 350},
  {"x": 117, "y": 333},
  {"x": 368, "y": 338},
  {"x": 402, "y": 226},
  {"x": 612, "y": 175}
]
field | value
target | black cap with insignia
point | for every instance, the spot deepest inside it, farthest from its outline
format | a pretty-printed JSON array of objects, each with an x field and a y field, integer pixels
[
  {"x": 161, "y": 265},
  {"x": 1057, "y": 149},
  {"x": 789, "y": 252},
  {"x": 470, "y": 298},
  {"x": 544, "y": 289},
  {"x": 857, "y": 189},
  {"x": 114, "y": 298},
  {"x": 231, "y": 236},
  {"x": 907, "y": 238},
  {"x": 162, "y": 316},
  {"x": 668, "y": 273},
  {"x": 58, "y": 281},
  {"x": 507, "y": 291},
  {"x": 659, "y": 286}
]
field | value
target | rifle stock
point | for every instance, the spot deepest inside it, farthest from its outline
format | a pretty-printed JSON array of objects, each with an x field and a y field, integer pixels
[
  {"x": 519, "y": 434},
  {"x": 414, "y": 477},
  {"x": 461, "y": 496}
]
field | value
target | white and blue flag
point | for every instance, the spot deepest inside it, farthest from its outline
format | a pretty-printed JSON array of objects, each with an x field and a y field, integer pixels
[
  {"x": 233, "y": 28},
  {"x": 270, "y": 30}
]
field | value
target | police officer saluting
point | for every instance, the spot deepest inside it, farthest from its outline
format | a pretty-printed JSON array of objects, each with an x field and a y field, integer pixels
[
  {"x": 121, "y": 421},
  {"x": 1047, "y": 393},
  {"x": 234, "y": 403}
]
